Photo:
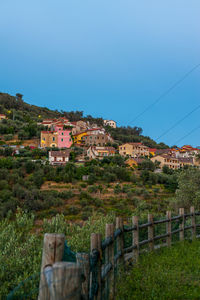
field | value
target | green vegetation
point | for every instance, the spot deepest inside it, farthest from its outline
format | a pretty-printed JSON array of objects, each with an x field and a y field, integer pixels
[
  {"x": 167, "y": 274},
  {"x": 23, "y": 118},
  {"x": 21, "y": 247},
  {"x": 133, "y": 134},
  {"x": 57, "y": 195},
  {"x": 29, "y": 182}
]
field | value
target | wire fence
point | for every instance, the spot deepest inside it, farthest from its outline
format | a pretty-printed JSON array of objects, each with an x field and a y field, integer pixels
[{"x": 94, "y": 275}]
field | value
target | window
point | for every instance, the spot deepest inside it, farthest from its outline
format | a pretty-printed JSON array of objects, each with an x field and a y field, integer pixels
[
  {"x": 61, "y": 140},
  {"x": 62, "y": 133},
  {"x": 43, "y": 139},
  {"x": 53, "y": 139}
]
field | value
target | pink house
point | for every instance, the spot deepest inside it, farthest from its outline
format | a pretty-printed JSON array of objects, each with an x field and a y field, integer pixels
[{"x": 64, "y": 136}]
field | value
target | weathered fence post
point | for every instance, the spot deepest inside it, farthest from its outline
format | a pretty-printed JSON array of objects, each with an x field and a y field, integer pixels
[
  {"x": 96, "y": 245},
  {"x": 169, "y": 228},
  {"x": 83, "y": 259},
  {"x": 120, "y": 240},
  {"x": 193, "y": 223},
  {"x": 99, "y": 265},
  {"x": 182, "y": 224},
  {"x": 67, "y": 281},
  {"x": 53, "y": 250},
  {"x": 151, "y": 232},
  {"x": 135, "y": 237},
  {"x": 110, "y": 259}
]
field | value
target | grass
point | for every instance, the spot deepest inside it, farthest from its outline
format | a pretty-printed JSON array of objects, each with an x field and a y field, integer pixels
[{"x": 167, "y": 274}]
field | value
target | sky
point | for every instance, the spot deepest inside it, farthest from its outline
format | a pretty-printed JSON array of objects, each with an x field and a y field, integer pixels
[{"x": 108, "y": 58}]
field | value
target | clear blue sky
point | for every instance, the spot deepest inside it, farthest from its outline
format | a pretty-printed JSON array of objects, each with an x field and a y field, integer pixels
[{"x": 109, "y": 58}]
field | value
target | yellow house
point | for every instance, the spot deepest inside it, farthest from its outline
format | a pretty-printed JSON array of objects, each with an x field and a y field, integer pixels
[
  {"x": 49, "y": 139},
  {"x": 78, "y": 137},
  {"x": 134, "y": 162},
  {"x": 131, "y": 162},
  {"x": 133, "y": 150}
]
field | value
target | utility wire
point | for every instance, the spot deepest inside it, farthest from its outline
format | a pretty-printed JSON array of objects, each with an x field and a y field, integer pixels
[
  {"x": 182, "y": 138},
  {"x": 166, "y": 92},
  {"x": 178, "y": 122}
]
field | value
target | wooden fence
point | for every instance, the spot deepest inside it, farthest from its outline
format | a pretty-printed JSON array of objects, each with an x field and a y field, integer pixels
[{"x": 63, "y": 280}]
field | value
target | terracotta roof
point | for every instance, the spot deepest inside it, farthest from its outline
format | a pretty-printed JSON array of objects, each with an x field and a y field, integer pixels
[
  {"x": 60, "y": 153},
  {"x": 185, "y": 160},
  {"x": 48, "y": 131},
  {"x": 93, "y": 129},
  {"x": 103, "y": 148},
  {"x": 152, "y": 149},
  {"x": 162, "y": 151}
]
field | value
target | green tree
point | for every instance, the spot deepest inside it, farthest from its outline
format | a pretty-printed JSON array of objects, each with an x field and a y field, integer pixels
[{"x": 188, "y": 192}]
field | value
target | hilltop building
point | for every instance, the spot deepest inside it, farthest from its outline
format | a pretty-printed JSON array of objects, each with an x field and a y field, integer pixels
[
  {"x": 94, "y": 152},
  {"x": 133, "y": 150},
  {"x": 172, "y": 162},
  {"x": 79, "y": 137},
  {"x": 59, "y": 157},
  {"x": 49, "y": 139},
  {"x": 96, "y": 139},
  {"x": 58, "y": 137},
  {"x": 110, "y": 123}
]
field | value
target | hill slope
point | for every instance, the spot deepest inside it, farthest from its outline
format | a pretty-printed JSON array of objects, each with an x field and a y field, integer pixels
[{"x": 22, "y": 119}]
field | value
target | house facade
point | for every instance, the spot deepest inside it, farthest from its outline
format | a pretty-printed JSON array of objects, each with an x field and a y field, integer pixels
[
  {"x": 58, "y": 137},
  {"x": 49, "y": 139},
  {"x": 79, "y": 126},
  {"x": 96, "y": 139},
  {"x": 95, "y": 152},
  {"x": 110, "y": 123},
  {"x": 134, "y": 162},
  {"x": 133, "y": 150},
  {"x": 59, "y": 157},
  {"x": 172, "y": 162},
  {"x": 64, "y": 136},
  {"x": 78, "y": 138}
]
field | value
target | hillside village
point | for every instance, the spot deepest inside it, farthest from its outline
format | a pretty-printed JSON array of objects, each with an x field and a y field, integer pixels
[{"x": 95, "y": 142}]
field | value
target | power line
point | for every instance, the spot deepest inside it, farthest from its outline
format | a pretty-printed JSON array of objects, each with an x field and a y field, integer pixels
[
  {"x": 182, "y": 138},
  {"x": 178, "y": 122},
  {"x": 166, "y": 92}
]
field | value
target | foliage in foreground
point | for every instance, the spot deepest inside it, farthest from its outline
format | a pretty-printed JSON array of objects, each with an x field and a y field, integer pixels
[
  {"x": 21, "y": 249},
  {"x": 168, "y": 274}
]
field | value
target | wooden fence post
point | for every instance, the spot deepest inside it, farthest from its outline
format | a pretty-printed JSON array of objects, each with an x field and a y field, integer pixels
[
  {"x": 96, "y": 244},
  {"x": 182, "y": 224},
  {"x": 83, "y": 259},
  {"x": 193, "y": 223},
  {"x": 99, "y": 238},
  {"x": 135, "y": 237},
  {"x": 151, "y": 232},
  {"x": 53, "y": 250},
  {"x": 110, "y": 258},
  {"x": 67, "y": 281},
  {"x": 169, "y": 228},
  {"x": 120, "y": 240}
]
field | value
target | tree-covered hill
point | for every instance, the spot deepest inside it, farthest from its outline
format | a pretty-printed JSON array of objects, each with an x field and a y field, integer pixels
[{"x": 22, "y": 119}]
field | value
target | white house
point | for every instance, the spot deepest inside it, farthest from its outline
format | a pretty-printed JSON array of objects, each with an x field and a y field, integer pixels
[
  {"x": 59, "y": 157},
  {"x": 110, "y": 123}
]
